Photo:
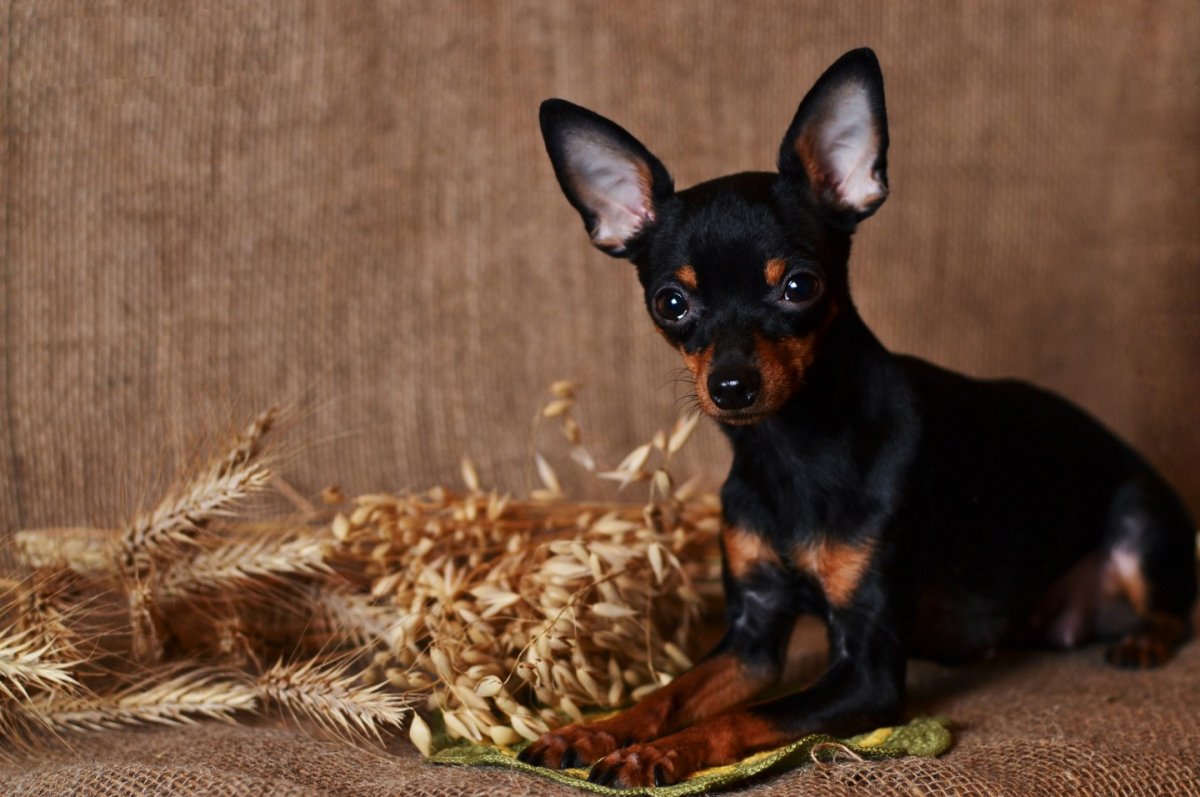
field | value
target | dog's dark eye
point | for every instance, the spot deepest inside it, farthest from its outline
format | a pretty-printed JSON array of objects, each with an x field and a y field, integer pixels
[
  {"x": 801, "y": 287},
  {"x": 671, "y": 304}
]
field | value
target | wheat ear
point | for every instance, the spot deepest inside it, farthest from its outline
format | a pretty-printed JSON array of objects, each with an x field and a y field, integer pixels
[
  {"x": 29, "y": 662},
  {"x": 211, "y": 493},
  {"x": 179, "y": 700},
  {"x": 335, "y": 699},
  {"x": 255, "y": 564}
]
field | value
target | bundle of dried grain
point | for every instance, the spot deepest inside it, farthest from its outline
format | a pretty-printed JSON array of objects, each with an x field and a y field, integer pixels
[{"x": 506, "y": 616}]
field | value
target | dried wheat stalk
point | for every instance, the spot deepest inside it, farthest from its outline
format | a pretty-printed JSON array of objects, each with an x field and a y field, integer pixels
[
  {"x": 331, "y": 695},
  {"x": 164, "y": 539},
  {"x": 247, "y": 563},
  {"x": 211, "y": 493},
  {"x": 177, "y": 700},
  {"x": 30, "y": 662}
]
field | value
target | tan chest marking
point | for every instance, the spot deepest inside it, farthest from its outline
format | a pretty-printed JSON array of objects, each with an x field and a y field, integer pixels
[
  {"x": 838, "y": 567},
  {"x": 745, "y": 549}
]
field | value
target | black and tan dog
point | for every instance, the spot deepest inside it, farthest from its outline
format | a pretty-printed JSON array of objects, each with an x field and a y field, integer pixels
[{"x": 920, "y": 513}]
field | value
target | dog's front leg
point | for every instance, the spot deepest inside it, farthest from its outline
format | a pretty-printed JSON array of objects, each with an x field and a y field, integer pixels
[
  {"x": 761, "y": 606},
  {"x": 862, "y": 688}
]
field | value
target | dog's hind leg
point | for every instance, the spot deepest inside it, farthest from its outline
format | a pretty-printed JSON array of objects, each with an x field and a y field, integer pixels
[{"x": 1152, "y": 564}]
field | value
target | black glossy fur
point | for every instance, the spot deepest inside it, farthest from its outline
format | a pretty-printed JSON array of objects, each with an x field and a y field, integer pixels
[{"x": 918, "y": 511}]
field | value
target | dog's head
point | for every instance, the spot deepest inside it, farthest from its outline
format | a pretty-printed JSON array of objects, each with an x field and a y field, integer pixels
[{"x": 744, "y": 274}]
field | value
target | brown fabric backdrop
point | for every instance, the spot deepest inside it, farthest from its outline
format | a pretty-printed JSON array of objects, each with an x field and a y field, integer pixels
[{"x": 212, "y": 206}]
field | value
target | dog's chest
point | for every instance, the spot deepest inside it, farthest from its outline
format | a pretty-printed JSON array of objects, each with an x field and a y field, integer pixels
[{"x": 837, "y": 567}]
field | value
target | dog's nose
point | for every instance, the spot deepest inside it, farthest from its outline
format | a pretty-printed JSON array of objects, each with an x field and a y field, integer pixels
[{"x": 734, "y": 388}]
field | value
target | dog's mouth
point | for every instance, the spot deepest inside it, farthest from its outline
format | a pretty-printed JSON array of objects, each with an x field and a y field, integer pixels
[
  {"x": 742, "y": 417},
  {"x": 745, "y": 417}
]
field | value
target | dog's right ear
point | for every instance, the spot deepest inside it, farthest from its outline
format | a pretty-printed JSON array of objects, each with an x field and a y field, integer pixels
[{"x": 611, "y": 179}]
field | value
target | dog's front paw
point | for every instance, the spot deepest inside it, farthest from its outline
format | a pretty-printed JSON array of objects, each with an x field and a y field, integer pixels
[
  {"x": 1150, "y": 645},
  {"x": 649, "y": 764},
  {"x": 1138, "y": 652},
  {"x": 569, "y": 747}
]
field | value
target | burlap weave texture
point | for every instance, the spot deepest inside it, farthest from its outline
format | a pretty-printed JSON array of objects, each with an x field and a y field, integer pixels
[
  {"x": 1027, "y": 724},
  {"x": 214, "y": 206}
]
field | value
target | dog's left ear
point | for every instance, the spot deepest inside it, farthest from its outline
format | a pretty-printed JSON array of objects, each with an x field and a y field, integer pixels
[{"x": 837, "y": 143}]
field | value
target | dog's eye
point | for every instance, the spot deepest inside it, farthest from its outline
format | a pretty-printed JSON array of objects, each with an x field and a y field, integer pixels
[
  {"x": 671, "y": 304},
  {"x": 801, "y": 287}
]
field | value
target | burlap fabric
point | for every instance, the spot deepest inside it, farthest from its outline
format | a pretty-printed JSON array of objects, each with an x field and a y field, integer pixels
[
  {"x": 1028, "y": 724},
  {"x": 212, "y": 206}
]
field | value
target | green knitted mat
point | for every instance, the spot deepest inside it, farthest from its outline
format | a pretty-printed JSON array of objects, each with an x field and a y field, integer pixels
[{"x": 925, "y": 736}]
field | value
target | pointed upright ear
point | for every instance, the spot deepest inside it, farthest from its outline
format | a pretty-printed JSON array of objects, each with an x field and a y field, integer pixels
[
  {"x": 611, "y": 179},
  {"x": 837, "y": 143}
]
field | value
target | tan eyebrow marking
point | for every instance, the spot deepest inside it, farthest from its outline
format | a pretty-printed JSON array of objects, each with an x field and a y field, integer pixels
[
  {"x": 687, "y": 277},
  {"x": 774, "y": 271}
]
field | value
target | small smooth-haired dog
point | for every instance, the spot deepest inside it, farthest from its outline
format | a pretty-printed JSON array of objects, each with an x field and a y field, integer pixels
[{"x": 920, "y": 513}]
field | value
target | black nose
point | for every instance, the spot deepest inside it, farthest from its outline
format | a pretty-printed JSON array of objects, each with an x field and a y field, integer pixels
[{"x": 734, "y": 388}]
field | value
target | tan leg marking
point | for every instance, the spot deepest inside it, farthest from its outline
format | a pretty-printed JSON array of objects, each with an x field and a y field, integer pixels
[
  {"x": 724, "y": 740},
  {"x": 1125, "y": 578},
  {"x": 709, "y": 688},
  {"x": 1159, "y": 634}
]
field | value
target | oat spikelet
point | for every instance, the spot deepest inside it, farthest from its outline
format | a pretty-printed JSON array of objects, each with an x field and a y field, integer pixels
[
  {"x": 330, "y": 695},
  {"x": 211, "y": 493},
  {"x": 179, "y": 700},
  {"x": 541, "y": 608}
]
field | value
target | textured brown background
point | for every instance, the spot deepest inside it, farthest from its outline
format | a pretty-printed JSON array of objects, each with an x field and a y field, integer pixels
[{"x": 213, "y": 206}]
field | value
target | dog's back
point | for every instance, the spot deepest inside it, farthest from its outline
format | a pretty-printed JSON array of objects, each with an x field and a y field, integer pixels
[{"x": 1014, "y": 489}]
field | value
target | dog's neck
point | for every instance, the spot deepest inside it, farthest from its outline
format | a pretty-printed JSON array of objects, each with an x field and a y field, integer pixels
[{"x": 800, "y": 473}]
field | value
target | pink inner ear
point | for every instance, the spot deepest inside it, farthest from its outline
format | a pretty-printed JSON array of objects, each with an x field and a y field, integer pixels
[
  {"x": 839, "y": 149},
  {"x": 614, "y": 186}
]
